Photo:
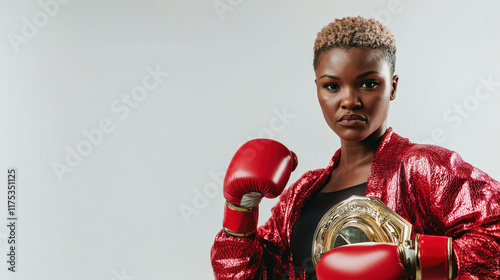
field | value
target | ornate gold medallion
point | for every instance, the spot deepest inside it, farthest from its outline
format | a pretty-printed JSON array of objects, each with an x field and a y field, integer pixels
[{"x": 360, "y": 219}]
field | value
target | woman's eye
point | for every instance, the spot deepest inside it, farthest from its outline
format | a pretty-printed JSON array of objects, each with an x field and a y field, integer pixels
[
  {"x": 369, "y": 84},
  {"x": 331, "y": 86}
]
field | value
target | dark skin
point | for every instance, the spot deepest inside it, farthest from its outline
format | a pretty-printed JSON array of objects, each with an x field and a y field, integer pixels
[{"x": 354, "y": 88}]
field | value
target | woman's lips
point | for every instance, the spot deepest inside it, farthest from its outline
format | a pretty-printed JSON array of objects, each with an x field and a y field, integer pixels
[{"x": 352, "y": 120}]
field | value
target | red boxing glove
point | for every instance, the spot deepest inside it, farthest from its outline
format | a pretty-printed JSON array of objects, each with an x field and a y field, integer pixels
[
  {"x": 260, "y": 167},
  {"x": 362, "y": 261},
  {"x": 431, "y": 258}
]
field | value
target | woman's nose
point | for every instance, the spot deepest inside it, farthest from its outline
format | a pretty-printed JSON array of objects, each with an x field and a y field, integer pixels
[{"x": 350, "y": 99}]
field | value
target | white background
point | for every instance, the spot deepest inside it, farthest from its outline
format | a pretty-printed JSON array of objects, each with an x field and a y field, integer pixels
[{"x": 117, "y": 214}]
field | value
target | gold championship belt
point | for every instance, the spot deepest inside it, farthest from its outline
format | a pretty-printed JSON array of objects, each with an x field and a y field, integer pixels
[{"x": 361, "y": 219}]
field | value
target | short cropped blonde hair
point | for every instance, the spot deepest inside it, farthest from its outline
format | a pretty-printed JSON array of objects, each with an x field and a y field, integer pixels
[{"x": 356, "y": 32}]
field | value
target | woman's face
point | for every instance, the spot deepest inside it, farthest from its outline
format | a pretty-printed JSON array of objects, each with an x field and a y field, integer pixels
[{"x": 354, "y": 88}]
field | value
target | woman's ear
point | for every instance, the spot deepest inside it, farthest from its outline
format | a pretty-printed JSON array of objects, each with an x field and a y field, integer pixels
[{"x": 394, "y": 87}]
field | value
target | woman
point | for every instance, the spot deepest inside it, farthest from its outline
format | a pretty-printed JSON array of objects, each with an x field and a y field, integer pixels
[{"x": 429, "y": 186}]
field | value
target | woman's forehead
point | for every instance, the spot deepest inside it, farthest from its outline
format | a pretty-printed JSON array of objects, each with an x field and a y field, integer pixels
[{"x": 354, "y": 59}]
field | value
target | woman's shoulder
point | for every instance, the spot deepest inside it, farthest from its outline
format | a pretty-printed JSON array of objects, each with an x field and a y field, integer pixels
[
  {"x": 309, "y": 178},
  {"x": 434, "y": 160},
  {"x": 409, "y": 150},
  {"x": 429, "y": 151},
  {"x": 306, "y": 181}
]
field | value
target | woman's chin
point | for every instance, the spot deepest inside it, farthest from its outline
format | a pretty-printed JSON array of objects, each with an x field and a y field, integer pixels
[
  {"x": 358, "y": 135},
  {"x": 352, "y": 136}
]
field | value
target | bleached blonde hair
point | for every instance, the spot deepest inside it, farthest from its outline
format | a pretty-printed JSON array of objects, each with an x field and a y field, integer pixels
[{"x": 356, "y": 32}]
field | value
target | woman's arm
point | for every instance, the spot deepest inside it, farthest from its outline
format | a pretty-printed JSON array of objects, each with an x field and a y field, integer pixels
[
  {"x": 262, "y": 256},
  {"x": 260, "y": 168},
  {"x": 456, "y": 199}
]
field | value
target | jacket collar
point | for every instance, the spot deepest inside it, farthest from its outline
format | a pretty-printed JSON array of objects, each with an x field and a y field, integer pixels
[{"x": 387, "y": 157}]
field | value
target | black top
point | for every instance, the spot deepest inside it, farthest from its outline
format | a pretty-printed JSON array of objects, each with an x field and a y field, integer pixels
[{"x": 311, "y": 214}]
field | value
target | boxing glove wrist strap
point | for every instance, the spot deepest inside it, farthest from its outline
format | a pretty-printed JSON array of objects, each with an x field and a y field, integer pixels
[
  {"x": 240, "y": 221},
  {"x": 434, "y": 257}
]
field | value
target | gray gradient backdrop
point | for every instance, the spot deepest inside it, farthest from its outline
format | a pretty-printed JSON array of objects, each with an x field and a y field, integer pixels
[{"x": 144, "y": 201}]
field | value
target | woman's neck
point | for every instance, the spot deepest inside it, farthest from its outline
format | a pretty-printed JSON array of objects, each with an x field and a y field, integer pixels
[{"x": 362, "y": 152}]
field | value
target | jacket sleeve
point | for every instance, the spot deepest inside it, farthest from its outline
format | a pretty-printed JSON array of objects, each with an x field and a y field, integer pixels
[
  {"x": 262, "y": 256},
  {"x": 458, "y": 200}
]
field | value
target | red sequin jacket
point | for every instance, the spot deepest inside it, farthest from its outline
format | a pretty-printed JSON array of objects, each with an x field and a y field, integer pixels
[{"x": 429, "y": 186}]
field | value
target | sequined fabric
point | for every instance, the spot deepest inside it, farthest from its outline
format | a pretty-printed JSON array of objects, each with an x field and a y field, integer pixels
[{"x": 429, "y": 186}]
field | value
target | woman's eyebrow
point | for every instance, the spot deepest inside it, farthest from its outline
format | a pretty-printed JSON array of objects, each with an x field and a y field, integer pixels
[
  {"x": 366, "y": 74},
  {"x": 329, "y": 76},
  {"x": 357, "y": 77}
]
